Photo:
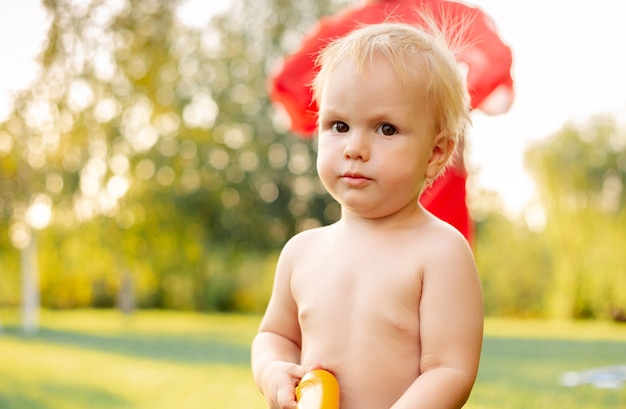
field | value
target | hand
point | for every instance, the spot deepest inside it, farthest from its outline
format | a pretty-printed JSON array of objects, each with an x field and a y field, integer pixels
[{"x": 279, "y": 383}]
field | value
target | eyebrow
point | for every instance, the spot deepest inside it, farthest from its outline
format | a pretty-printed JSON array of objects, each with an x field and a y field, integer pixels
[{"x": 330, "y": 112}]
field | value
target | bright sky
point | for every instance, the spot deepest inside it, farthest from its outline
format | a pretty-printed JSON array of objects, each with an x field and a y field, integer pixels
[{"x": 569, "y": 64}]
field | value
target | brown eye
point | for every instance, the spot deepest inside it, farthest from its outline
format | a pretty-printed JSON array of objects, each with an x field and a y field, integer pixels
[
  {"x": 387, "y": 130},
  {"x": 340, "y": 127}
]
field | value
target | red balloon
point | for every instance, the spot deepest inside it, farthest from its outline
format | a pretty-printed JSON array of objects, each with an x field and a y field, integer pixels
[{"x": 487, "y": 60}]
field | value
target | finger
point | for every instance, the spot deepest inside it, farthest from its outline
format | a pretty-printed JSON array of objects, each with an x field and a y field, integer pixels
[
  {"x": 286, "y": 398},
  {"x": 312, "y": 367},
  {"x": 304, "y": 369}
]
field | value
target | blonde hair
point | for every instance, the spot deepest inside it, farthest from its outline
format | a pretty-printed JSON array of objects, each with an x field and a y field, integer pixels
[{"x": 418, "y": 57}]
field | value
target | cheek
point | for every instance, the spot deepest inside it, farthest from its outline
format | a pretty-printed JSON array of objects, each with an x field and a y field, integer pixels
[
  {"x": 325, "y": 152},
  {"x": 401, "y": 176},
  {"x": 405, "y": 168},
  {"x": 323, "y": 162},
  {"x": 326, "y": 162}
]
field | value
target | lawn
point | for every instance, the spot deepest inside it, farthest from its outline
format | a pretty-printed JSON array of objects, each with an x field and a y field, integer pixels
[
  {"x": 523, "y": 362},
  {"x": 155, "y": 359}
]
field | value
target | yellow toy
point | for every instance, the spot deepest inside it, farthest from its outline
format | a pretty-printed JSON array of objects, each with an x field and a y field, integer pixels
[{"x": 318, "y": 389}]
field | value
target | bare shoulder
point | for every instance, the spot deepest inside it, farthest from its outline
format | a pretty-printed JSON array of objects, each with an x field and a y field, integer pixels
[
  {"x": 307, "y": 236},
  {"x": 447, "y": 249},
  {"x": 444, "y": 236},
  {"x": 305, "y": 241},
  {"x": 450, "y": 274}
]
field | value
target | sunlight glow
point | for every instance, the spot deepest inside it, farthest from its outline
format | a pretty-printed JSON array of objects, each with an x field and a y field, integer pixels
[
  {"x": 20, "y": 235},
  {"x": 117, "y": 186},
  {"x": 80, "y": 96},
  {"x": 39, "y": 213}
]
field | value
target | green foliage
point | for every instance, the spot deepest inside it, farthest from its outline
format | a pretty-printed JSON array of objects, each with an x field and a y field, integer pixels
[
  {"x": 172, "y": 178},
  {"x": 582, "y": 167},
  {"x": 573, "y": 266},
  {"x": 156, "y": 148},
  {"x": 581, "y": 173},
  {"x": 10, "y": 292},
  {"x": 514, "y": 265}
]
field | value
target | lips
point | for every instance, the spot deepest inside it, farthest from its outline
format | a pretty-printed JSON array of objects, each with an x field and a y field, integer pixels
[{"x": 355, "y": 179}]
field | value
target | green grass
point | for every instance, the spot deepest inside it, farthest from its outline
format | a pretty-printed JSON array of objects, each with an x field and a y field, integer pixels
[
  {"x": 100, "y": 359},
  {"x": 524, "y": 371}
]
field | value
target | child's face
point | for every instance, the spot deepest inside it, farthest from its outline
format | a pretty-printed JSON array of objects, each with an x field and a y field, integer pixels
[{"x": 376, "y": 139}]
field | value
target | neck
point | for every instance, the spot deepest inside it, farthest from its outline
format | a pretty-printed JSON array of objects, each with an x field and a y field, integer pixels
[{"x": 408, "y": 217}]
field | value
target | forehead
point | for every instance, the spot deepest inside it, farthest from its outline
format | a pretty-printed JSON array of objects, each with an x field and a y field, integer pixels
[
  {"x": 374, "y": 94},
  {"x": 375, "y": 74}
]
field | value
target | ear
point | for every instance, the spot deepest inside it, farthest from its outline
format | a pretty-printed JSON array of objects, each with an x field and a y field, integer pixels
[{"x": 442, "y": 149}]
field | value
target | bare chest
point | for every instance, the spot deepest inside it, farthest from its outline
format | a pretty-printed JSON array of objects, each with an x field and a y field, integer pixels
[
  {"x": 359, "y": 313},
  {"x": 352, "y": 293}
]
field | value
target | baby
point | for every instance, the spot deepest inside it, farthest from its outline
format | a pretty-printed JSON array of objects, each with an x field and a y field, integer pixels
[{"x": 388, "y": 298}]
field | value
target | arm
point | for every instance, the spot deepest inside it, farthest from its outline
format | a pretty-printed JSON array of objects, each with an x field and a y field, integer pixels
[
  {"x": 276, "y": 348},
  {"x": 276, "y": 370},
  {"x": 451, "y": 329}
]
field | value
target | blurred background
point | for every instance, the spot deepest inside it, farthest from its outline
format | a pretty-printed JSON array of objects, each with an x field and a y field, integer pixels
[
  {"x": 142, "y": 165},
  {"x": 147, "y": 185}
]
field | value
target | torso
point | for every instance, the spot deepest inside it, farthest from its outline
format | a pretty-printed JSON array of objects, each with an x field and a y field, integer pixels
[{"x": 358, "y": 307}]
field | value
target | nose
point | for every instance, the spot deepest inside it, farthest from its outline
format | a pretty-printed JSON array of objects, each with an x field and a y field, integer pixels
[{"x": 357, "y": 146}]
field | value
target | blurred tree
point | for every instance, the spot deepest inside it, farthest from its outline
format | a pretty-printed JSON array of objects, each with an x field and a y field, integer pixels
[
  {"x": 149, "y": 158},
  {"x": 161, "y": 138},
  {"x": 581, "y": 174},
  {"x": 513, "y": 261}
]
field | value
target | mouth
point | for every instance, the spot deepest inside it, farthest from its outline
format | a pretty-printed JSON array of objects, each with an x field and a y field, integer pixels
[{"x": 355, "y": 179}]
